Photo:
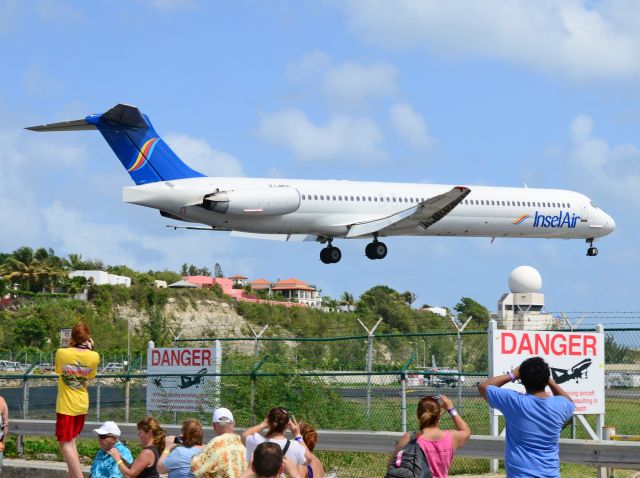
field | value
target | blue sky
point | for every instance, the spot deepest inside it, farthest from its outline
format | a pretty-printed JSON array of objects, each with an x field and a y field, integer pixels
[{"x": 473, "y": 92}]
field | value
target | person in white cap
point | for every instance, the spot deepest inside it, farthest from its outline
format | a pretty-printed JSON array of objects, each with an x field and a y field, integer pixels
[
  {"x": 225, "y": 455},
  {"x": 104, "y": 466}
]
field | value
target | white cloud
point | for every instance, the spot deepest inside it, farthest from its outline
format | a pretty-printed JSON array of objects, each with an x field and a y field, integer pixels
[
  {"x": 119, "y": 243},
  {"x": 410, "y": 125},
  {"x": 579, "y": 39},
  {"x": 24, "y": 172},
  {"x": 39, "y": 83},
  {"x": 613, "y": 171},
  {"x": 354, "y": 83},
  {"x": 199, "y": 155},
  {"x": 345, "y": 85},
  {"x": 58, "y": 12},
  {"x": 343, "y": 138}
]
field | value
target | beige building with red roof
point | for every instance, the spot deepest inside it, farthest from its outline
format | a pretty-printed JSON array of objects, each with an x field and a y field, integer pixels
[
  {"x": 260, "y": 284},
  {"x": 298, "y": 291}
]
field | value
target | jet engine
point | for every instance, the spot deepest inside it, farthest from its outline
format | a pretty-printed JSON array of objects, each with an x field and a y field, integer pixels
[{"x": 254, "y": 202}]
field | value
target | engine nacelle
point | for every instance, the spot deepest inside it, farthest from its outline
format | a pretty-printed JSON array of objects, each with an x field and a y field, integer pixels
[{"x": 254, "y": 202}]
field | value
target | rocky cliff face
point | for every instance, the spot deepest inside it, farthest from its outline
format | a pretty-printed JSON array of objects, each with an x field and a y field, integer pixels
[{"x": 203, "y": 318}]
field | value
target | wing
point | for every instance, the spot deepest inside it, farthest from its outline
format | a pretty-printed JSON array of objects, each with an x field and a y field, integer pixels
[{"x": 424, "y": 214}]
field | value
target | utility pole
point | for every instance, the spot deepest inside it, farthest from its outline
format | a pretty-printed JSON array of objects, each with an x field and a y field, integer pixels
[
  {"x": 369, "y": 360},
  {"x": 459, "y": 329}
]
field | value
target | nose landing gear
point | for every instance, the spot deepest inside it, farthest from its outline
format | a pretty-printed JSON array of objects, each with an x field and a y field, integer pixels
[{"x": 591, "y": 251}]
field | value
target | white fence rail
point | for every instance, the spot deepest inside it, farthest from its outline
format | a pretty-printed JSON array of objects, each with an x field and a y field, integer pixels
[{"x": 611, "y": 454}]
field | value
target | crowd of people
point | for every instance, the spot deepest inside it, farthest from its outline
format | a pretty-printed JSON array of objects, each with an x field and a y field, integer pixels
[{"x": 534, "y": 421}]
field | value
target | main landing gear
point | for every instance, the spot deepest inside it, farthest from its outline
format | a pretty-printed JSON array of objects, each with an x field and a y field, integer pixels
[
  {"x": 376, "y": 250},
  {"x": 330, "y": 254},
  {"x": 591, "y": 251}
]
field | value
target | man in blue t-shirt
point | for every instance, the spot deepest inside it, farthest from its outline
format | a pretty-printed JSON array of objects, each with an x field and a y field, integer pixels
[{"x": 534, "y": 420}]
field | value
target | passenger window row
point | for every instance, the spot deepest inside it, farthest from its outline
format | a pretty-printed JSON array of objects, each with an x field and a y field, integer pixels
[
  {"x": 471, "y": 202},
  {"x": 487, "y": 202},
  {"x": 338, "y": 197}
]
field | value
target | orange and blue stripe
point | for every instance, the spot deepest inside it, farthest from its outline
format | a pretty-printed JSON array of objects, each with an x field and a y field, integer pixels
[
  {"x": 520, "y": 219},
  {"x": 145, "y": 152}
]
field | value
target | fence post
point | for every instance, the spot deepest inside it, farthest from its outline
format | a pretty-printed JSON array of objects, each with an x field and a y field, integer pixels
[
  {"x": 256, "y": 345},
  {"x": 369, "y": 361},
  {"x": 253, "y": 388},
  {"x": 494, "y": 428},
  {"x": 459, "y": 329},
  {"x": 403, "y": 390},
  {"x": 25, "y": 407},
  {"x": 403, "y": 400},
  {"x": 98, "y": 394}
]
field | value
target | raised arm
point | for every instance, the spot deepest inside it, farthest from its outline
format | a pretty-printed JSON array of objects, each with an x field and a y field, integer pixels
[
  {"x": 497, "y": 381},
  {"x": 254, "y": 429},
  {"x": 462, "y": 432},
  {"x": 558, "y": 391},
  {"x": 169, "y": 444}
]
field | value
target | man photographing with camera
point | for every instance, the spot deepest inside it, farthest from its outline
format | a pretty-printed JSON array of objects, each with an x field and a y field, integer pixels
[{"x": 533, "y": 419}]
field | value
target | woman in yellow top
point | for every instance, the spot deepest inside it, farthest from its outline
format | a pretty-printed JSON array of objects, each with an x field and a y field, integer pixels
[{"x": 75, "y": 365}]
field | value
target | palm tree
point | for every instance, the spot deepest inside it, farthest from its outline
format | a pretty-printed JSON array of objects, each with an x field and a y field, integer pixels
[
  {"x": 348, "y": 301},
  {"x": 14, "y": 269}
]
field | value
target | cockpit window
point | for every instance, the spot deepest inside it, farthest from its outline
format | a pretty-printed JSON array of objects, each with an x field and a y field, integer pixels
[{"x": 594, "y": 205}]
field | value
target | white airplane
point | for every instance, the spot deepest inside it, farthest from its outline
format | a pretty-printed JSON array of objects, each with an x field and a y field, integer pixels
[{"x": 323, "y": 210}]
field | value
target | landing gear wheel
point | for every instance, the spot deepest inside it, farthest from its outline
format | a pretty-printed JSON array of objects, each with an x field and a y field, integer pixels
[
  {"x": 330, "y": 255},
  {"x": 334, "y": 254},
  {"x": 592, "y": 251},
  {"x": 376, "y": 250},
  {"x": 324, "y": 256}
]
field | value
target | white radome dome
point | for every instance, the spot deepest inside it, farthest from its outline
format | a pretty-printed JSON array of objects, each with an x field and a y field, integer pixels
[{"x": 525, "y": 279}]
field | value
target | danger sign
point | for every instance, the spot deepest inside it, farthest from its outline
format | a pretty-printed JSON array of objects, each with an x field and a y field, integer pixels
[
  {"x": 576, "y": 360},
  {"x": 181, "y": 379}
]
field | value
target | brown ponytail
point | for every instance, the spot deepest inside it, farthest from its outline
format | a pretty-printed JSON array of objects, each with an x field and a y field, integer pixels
[
  {"x": 151, "y": 424},
  {"x": 428, "y": 412}
]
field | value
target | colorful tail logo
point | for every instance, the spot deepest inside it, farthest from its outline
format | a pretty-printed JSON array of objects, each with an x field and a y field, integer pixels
[
  {"x": 145, "y": 152},
  {"x": 521, "y": 219}
]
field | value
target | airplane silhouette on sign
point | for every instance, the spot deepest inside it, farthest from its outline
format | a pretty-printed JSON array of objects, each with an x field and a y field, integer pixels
[
  {"x": 578, "y": 371},
  {"x": 186, "y": 382}
]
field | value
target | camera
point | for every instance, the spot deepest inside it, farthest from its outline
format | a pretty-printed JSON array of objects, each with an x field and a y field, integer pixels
[{"x": 178, "y": 440}]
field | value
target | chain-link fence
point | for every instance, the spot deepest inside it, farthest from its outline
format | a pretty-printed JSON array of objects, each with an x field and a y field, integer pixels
[{"x": 350, "y": 383}]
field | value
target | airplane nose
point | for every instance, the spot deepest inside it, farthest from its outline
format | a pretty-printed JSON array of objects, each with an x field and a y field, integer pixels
[{"x": 609, "y": 224}]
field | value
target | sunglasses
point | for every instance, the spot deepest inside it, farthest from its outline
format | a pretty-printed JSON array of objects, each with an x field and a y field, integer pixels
[
  {"x": 433, "y": 397},
  {"x": 103, "y": 437}
]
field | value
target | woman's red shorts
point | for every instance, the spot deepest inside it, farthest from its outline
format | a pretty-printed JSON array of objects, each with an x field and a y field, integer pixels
[{"x": 68, "y": 427}]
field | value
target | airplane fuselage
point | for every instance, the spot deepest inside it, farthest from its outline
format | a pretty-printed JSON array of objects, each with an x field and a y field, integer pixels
[
  {"x": 328, "y": 207},
  {"x": 324, "y": 210}
]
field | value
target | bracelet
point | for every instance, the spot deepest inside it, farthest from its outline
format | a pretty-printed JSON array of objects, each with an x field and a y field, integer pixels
[
  {"x": 298, "y": 438},
  {"x": 511, "y": 376},
  {"x": 119, "y": 462},
  {"x": 166, "y": 452},
  {"x": 452, "y": 412}
]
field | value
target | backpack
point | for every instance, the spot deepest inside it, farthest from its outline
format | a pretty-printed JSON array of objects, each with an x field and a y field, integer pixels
[{"x": 410, "y": 462}]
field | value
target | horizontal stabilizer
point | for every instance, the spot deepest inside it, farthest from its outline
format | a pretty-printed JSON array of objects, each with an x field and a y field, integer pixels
[{"x": 76, "y": 125}]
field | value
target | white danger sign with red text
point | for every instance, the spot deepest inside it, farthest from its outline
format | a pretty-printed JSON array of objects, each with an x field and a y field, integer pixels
[
  {"x": 192, "y": 390},
  {"x": 576, "y": 360}
]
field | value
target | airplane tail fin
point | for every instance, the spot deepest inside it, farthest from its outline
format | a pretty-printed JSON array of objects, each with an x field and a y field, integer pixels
[{"x": 145, "y": 156}]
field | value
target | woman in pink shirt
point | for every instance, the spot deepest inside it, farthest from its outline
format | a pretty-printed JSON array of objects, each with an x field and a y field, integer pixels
[{"x": 438, "y": 445}]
